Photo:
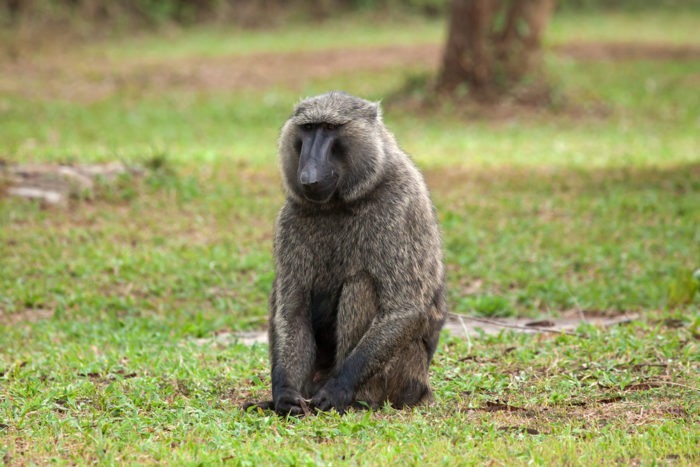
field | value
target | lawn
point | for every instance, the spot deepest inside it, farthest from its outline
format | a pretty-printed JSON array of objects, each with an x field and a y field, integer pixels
[{"x": 118, "y": 313}]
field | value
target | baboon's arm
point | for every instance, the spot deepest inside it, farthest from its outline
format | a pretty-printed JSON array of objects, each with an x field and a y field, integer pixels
[{"x": 292, "y": 350}]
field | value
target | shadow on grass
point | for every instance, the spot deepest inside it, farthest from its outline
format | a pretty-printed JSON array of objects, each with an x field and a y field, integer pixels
[{"x": 677, "y": 179}]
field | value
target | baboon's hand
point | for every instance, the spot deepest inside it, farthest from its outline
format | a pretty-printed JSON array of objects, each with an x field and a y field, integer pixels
[
  {"x": 290, "y": 402},
  {"x": 333, "y": 395}
]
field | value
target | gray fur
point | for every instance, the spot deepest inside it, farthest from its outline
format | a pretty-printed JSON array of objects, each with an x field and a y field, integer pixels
[{"x": 367, "y": 260}]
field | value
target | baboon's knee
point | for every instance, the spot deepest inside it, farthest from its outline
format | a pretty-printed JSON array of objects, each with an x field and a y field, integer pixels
[{"x": 414, "y": 392}]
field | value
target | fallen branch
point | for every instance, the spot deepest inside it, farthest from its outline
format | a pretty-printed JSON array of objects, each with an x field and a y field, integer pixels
[{"x": 516, "y": 326}]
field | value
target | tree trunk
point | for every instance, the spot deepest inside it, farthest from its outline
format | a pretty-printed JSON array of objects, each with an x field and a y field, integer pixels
[{"x": 492, "y": 45}]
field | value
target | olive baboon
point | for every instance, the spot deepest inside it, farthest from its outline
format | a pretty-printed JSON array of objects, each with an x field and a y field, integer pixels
[{"x": 358, "y": 300}]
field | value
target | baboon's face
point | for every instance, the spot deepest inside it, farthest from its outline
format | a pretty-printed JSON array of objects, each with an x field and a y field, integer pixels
[
  {"x": 330, "y": 149},
  {"x": 320, "y": 150}
]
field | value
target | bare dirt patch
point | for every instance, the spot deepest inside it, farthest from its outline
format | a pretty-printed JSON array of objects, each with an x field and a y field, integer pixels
[
  {"x": 290, "y": 69},
  {"x": 620, "y": 51},
  {"x": 27, "y": 315},
  {"x": 592, "y": 415},
  {"x": 89, "y": 80},
  {"x": 76, "y": 77}
]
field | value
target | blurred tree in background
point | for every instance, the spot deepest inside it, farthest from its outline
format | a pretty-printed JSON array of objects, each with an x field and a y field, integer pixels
[{"x": 492, "y": 45}]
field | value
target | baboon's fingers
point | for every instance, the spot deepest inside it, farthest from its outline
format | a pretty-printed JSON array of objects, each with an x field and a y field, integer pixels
[
  {"x": 332, "y": 396},
  {"x": 292, "y": 406},
  {"x": 320, "y": 402}
]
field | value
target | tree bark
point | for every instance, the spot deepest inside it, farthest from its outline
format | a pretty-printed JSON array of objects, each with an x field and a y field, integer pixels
[{"x": 492, "y": 44}]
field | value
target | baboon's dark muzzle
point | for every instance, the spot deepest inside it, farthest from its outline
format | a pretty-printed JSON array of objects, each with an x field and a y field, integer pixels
[{"x": 316, "y": 174}]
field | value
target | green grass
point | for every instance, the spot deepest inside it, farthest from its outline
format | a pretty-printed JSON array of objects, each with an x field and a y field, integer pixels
[
  {"x": 116, "y": 313},
  {"x": 666, "y": 25},
  {"x": 351, "y": 31},
  {"x": 135, "y": 390}
]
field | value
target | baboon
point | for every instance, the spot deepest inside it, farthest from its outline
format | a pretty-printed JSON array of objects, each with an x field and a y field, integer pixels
[{"x": 358, "y": 299}]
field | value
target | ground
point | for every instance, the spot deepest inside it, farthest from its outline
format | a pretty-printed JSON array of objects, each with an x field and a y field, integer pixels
[{"x": 102, "y": 77}]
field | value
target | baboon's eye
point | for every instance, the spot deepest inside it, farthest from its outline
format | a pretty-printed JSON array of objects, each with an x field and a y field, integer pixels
[
  {"x": 307, "y": 126},
  {"x": 330, "y": 126}
]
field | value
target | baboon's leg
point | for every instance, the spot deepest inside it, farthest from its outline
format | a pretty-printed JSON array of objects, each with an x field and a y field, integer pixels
[
  {"x": 357, "y": 307},
  {"x": 403, "y": 381},
  {"x": 407, "y": 381}
]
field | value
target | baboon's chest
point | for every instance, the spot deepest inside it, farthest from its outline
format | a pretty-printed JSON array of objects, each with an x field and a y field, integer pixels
[{"x": 338, "y": 246}]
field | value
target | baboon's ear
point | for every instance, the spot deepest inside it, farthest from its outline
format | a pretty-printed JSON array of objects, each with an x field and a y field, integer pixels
[
  {"x": 376, "y": 111},
  {"x": 300, "y": 109}
]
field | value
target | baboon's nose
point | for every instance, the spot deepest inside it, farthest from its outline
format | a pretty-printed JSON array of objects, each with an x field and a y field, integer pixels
[{"x": 308, "y": 176}]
